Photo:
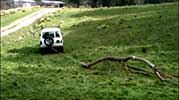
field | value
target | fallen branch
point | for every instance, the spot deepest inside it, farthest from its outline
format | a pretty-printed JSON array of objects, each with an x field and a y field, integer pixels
[
  {"x": 139, "y": 71},
  {"x": 126, "y": 59}
]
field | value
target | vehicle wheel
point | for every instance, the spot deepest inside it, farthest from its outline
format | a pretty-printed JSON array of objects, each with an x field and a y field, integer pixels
[{"x": 49, "y": 41}]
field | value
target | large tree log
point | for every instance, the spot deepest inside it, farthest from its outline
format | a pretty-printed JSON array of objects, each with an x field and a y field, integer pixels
[{"x": 126, "y": 59}]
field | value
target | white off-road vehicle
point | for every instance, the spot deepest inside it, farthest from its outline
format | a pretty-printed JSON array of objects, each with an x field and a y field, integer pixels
[{"x": 51, "y": 39}]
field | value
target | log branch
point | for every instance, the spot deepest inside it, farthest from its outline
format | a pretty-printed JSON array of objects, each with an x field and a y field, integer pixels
[{"x": 125, "y": 59}]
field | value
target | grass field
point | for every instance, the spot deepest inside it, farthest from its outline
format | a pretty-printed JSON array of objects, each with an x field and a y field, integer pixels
[
  {"x": 7, "y": 19},
  {"x": 148, "y": 31}
]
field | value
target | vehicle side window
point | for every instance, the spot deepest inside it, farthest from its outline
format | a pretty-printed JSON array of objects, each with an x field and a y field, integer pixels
[{"x": 57, "y": 34}]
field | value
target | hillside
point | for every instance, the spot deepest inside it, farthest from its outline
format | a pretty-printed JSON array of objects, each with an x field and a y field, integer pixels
[{"x": 148, "y": 31}]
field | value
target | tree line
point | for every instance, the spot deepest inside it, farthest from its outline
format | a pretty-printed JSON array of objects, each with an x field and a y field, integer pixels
[{"x": 109, "y": 3}]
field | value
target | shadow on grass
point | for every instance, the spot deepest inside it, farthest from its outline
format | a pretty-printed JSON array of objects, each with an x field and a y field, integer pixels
[
  {"x": 26, "y": 50},
  {"x": 30, "y": 55},
  {"x": 31, "y": 50}
]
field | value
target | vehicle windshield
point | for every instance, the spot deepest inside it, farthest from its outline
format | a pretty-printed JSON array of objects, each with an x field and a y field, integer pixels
[{"x": 48, "y": 34}]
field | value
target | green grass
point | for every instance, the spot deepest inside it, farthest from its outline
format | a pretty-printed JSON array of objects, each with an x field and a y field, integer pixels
[
  {"x": 148, "y": 31},
  {"x": 7, "y": 19}
]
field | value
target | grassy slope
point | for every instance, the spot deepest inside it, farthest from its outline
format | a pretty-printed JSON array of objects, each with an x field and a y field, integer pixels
[
  {"x": 148, "y": 31},
  {"x": 7, "y": 19}
]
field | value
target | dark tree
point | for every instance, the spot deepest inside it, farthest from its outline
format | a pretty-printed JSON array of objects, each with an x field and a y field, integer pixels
[
  {"x": 94, "y": 3},
  {"x": 108, "y": 3}
]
